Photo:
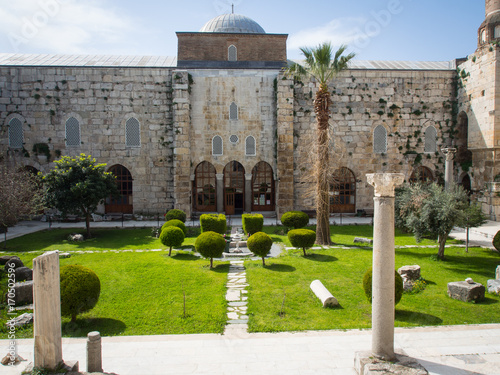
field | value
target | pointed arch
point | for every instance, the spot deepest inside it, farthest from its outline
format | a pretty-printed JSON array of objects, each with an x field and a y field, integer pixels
[
  {"x": 343, "y": 191},
  {"x": 232, "y": 53},
  {"x": 421, "y": 174},
  {"x": 233, "y": 111},
  {"x": 430, "y": 144},
  {"x": 380, "y": 139},
  {"x": 124, "y": 202},
  {"x": 263, "y": 193},
  {"x": 16, "y": 133},
  {"x": 217, "y": 146},
  {"x": 132, "y": 133},
  {"x": 73, "y": 132},
  {"x": 250, "y": 146},
  {"x": 205, "y": 187}
]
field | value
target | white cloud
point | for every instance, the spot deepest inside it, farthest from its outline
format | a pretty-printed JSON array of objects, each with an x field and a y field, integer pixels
[
  {"x": 64, "y": 26},
  {"x": 347, "y": 30}
]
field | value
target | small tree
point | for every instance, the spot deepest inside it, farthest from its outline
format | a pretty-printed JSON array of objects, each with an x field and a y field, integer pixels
[
  {"x": 252, "y": 223},
  {"x": 80, "y": 290},
  {"x": 398, "y": 286},
  {"x": 78, "y": 185},
  {"x": 295, "y": 219},
  {"x": 213, "y": 223},
  {"x": 20, "y": 196},
  {"x": 260, "y": 243},
  {"x": 175, "y": 214},
  {"x": 428, "y": 209},
  {"x": 472, "y": 217},
  {"x": 172, "y": 236},
  {"x": 175, "y": 223},
  {"x": 302, "y": 238},
  {"x": 210, "y": 245}
]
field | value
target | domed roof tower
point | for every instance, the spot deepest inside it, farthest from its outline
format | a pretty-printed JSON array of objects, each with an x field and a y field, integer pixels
[
  {"x": 489, "y": 31},
  {"x": 232, "y": 23}
]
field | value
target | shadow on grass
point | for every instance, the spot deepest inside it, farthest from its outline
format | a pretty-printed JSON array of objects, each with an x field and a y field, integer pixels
[
  {"x": 82, "y": 326},
  {"x": 417, "y": 318},
  {"x": 185, "y": 256},
  {"x": 280, "y": 267},
  {"x": 320, "y": 257},
  {"x": 487, "y": 301},
  {"x": 219, "y": 268},
  {"x": 276, "y": 239}
]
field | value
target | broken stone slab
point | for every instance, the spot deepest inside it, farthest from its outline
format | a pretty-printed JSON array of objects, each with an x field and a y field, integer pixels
[
  {"x": 412, "y": 273},
  {"x": 366, "y": 363},
  {"x": 326, "y": 298},
  {"x": 14, "y": 262},
  {"x": 14, "y": 360},
  {"x": 20, "y": 321},
  {"x": 5, "y": 258},
  {"x": 363, "y": 240},
  {"x": 493, "y": 286},
  {"x": 64, "y": 255},
  {"x": 465, "y": 291},
  {"x": 23, "y": 274},
  {"x": 23, "y": 293}
]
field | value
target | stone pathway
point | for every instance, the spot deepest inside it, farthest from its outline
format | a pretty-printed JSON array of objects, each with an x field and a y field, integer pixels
[{"x": 237, "y": 298}]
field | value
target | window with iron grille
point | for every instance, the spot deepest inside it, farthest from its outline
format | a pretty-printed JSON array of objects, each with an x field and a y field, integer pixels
[
  {"x": 379, "y": 140},
  {"x": 233, "y": 111},
  {"x": 73, "y": 132},
  {"x": 133, "y": 133},
  {"x": 217, "y": 148},
  {"x": 250, "y": 149},
  {"x": 430, "y": 139},
  {"x": 234, "y": 139},
  {"x": 16, "y": 136},
  {"x": 232, "y": 53}
]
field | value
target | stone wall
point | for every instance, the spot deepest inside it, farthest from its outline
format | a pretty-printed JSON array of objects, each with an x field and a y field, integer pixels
[{"x": 101, "y": 99}]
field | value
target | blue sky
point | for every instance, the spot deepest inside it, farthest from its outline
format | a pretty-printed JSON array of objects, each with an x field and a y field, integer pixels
[{"x": 431, "y": 30}]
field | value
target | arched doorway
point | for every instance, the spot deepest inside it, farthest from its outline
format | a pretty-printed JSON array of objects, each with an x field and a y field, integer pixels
[
  {"x": 204, "y": 188},
  {"x": 123, "y": 202},
  {"x": 463, "y": 155},
  {"x": 466, "y": 184},
  {"x": 343, "y": 191},
  {"x": 234, "y": 188},
  {"x": 262, "y": 187},
  {"x": 421, "y": 174}
]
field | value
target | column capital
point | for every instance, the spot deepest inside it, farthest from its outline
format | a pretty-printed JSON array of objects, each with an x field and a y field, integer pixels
[
  {"x": 219, "y": 176},
  {"x": 385, "y": 183},
  {"x": 449, "y": 152},
  {"x": 248, "y": 176}
]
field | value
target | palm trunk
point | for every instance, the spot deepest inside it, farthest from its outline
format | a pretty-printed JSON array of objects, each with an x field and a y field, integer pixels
[{"x": 322, "y": 109}]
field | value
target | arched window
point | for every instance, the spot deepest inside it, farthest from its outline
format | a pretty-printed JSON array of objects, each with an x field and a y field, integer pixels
[
  {"x": 250, "y": 149},
  {"x": 497, "y": 32},
  {"x": 380, "y": 140},
  {"x": 16, "y": 135},
  {"x": 430, "y": 139},
  {"x": 483, "y": 36},
  {"x": 217, "y": 147},
  {"x": 232, "y": 53},
  {"x": 263, "y": 187},
  {"x": 421, "y": 174},
  {"x": 122, "y": 203},
  {"x": 204, "y": 189},
  {"x": 343, "y": 191},
  {"x": 132, "y": 133},
  {"x": 233, "y": 111},
  {"x": 234, "y": 188},
  {"x": 73, "y": 132}
]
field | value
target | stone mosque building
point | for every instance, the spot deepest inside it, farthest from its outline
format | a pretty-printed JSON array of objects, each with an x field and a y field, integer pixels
[{"x": 219, "y": 128}]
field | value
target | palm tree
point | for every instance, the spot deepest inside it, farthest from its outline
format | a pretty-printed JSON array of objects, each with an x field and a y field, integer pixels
[{"x": 323, "y": 66}]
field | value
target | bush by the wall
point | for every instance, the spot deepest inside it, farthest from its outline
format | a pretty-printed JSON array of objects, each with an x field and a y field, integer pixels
[
  {"x": 175, "y": 223},
  {"x": 213, "y": 223},
  {"x": 210, "y": 245},
  {"x": 175, "y": 214},
  {"x": 302, "y": 238},
  {"x": 252, "y": 223},
  {"x": 295, "y": 219},
  {"x": 398, "y": 281},
  {"x": 260, "y": 243},
  {"x": 496, "y": 241},
  {"x": 172, "y": 236},
  {"x": 80, "y": 290}
]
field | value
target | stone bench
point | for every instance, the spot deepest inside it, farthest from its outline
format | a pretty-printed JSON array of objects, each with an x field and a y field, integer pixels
[{"x": 466, "y": 291}]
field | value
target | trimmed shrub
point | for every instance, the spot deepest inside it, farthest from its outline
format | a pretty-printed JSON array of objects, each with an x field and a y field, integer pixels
[
  {"x": 172, "y": 236},
  {"x": 210, "y": 245},
  {"x": 295, "y": 219},
  {"x": 302, "y": 238},
  {"x": 175, "y": 223},
  {"x": 398, "y": 281},
  {"x": 260, "y": 243},
  {"x": 80, "y": 290},
  {"x": 252, "y": 223},
  {"x": 213, "y": 223},
  {"x": 496, "y": 241},
  {"x": 175, "y": 214}
]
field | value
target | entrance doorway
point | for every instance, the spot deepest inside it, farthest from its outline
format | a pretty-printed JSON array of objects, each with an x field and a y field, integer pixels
[
  {"x": 262, "y": 187},
  {"x": 123, "y": 202},
  {"x": 343, "y": 192},
  {"x": 234, "y": 188}
]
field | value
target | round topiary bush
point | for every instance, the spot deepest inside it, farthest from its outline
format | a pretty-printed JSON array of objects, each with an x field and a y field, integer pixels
[
  {"x": 260, "y": 243},
  {"x": 210, "y": 245},
  {"x": 213, "y": 223},
  {"x": 302, "y": 238},
  {"x": 175, "y": 214},
  {"x": 295, "y": 219},
  {"x": 175, "y": 223},
  {"x": 172, "y": 236},
  {"x": 398, "y": 281},
  {"x": 252, "y": 223},
  {"x": 496, "y": 241},
  {"x": 80, "y": 290}
]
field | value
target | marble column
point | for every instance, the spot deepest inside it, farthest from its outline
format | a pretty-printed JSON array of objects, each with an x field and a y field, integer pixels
[
  {"x": 449, "y": 152},
  {"x": 47, "y": 311},
  {"x": 94, "y": 352},
  {"x": 248, "y": 192},
  {"x": 220, "y": 192},
  {"x": 383, "y": 287}
]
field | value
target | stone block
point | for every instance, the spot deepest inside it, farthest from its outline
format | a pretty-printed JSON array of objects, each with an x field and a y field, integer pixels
[
  {"x": 494, "y": 286},
  {"x": 366, "y": 364},
  {"x": 362, "y": 240},
  {"x": 412, "y": 273},
  {"x": 497, "y": 273},
  {"x": 466, "y": 291},
  {"x": 23, "y": 293}
]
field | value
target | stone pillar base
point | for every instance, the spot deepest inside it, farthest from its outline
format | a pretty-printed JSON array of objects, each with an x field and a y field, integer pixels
[{"x": 366, "y": 364}]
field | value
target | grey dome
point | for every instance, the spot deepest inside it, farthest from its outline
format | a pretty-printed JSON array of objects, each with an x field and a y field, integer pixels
[{"x": 232, "y": 23}]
